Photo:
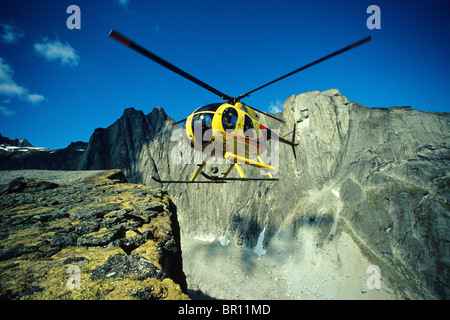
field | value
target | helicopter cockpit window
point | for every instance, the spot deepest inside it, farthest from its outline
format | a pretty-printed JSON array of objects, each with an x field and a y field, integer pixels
[
  {"x": 249, "y": 130},
  {"x": 210, "y": 107},
  {"x": 229, "y": 119},
  {"x": 203, "y": 121}
]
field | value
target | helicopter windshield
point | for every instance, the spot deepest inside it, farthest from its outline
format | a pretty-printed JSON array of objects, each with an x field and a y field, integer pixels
[
  {"x": 209, "y": 107},
  {"x": 229, "y": 119},
  {"x": 202, "y": 121},
  {"x": 249, "y": 130}
]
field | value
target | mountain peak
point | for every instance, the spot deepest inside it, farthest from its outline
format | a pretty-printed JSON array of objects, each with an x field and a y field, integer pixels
[
  {"x": 14, "y": 142},
  {"x": 127, "y": 112},
  {"x": 158, "y": 115}
]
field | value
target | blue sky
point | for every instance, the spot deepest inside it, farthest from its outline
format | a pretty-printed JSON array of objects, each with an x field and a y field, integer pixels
[{"x": 57, "y": 85}]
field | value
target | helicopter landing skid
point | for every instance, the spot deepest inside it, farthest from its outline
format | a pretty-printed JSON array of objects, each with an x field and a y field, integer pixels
[
  {"x": 213, "y": 179},
  {"x": 184, "y": 181}
]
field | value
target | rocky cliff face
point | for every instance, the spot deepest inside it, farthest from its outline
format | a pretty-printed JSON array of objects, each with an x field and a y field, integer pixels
[
  {"x": 370, "y": 191},
  {"x": 100, "y": 238},
  {"x": 391, "y": 169},
  {"x": 126, "y": 144},
  {"x": 372, "y": 179}
]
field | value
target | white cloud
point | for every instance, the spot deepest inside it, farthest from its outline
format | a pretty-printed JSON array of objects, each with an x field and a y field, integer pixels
[
  {"x": 10, "y": 33},
  {"x": 56, "y": 50},
  {"x": 6, "y": 71},
  {"x": 123, "y": 3},
  {"x": 9, "y": 89},
  {"x": 35, "y": 98},
  {"x": 276, "y": 107},
  {"x": 6, "y": 111}
]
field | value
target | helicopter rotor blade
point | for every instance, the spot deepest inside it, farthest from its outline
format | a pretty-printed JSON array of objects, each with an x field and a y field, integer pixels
[
  {"x": 265, "y": 113},
  {"x": 358, "y": 43},
  {"x": 127, "y": 42}
]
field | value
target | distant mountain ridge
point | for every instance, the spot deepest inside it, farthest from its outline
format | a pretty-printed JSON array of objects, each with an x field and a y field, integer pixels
[
  {"x": 14, "y": 142},
  {"x": 20, "y": 154}
]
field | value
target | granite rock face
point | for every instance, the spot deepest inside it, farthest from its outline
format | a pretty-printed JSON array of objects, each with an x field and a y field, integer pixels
[
  {"x": 392, "y": 170},
  {"x": 125, "y": 144},
  {"x": 379, "y": 175},
  {"x": 97, "y": 239}
]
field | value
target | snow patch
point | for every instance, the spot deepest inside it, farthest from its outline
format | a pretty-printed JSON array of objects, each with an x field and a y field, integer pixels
[
  {"x": 259, "y": 248},
  {"x": 205, "y": 239},
  {"x": 336, "y": 193},
  {"x": 23, "y": 149},
  {"x": 223, "y": 241}
]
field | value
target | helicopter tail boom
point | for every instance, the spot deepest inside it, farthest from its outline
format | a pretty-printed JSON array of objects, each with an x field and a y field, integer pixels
[{"x": 270, "y": 134}]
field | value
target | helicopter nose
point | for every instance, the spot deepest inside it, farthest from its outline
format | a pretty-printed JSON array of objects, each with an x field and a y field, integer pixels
[{"x": 214, "y": 170}]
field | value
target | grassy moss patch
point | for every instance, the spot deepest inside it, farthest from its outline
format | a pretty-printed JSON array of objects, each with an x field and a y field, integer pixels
[{"x": 52, "y": 241}]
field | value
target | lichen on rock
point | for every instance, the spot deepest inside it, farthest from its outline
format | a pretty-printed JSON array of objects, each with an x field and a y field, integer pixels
[{"x": 100, "y": 238}]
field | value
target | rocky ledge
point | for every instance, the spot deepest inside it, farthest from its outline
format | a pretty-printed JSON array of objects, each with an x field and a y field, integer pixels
[{"x": 101, "y": 238}]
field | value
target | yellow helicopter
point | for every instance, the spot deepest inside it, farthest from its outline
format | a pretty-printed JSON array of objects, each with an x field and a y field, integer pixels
[{"x": 230, "y": 129}]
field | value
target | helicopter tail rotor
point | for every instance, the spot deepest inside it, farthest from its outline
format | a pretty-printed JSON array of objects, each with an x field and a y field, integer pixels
[
  {"x": 292, "y": 143},
  {"x": 271, "y": 134}
]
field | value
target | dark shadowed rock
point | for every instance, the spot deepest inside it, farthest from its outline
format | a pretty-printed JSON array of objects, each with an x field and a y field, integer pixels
[
  {"x": 27, "y": 185},
  {"x": 120, "y": 265},
  {"x": 94, "y": 212},
  {"x": 101, "y": 237},
  {"x": 121, "y": 145},
  {"x": 63, "y": 240}
]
